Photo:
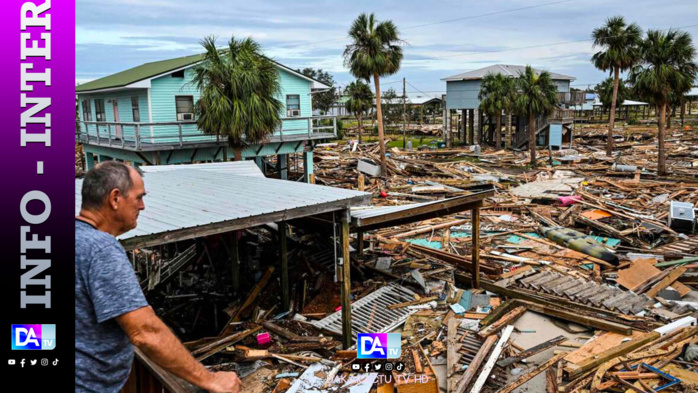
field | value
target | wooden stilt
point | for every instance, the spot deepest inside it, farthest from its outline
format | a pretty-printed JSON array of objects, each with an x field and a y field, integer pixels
[
  {"x": 360, "y": 243},
  {"x": 346, "y": 281},
  {"x": 235, "y": 259},
  {"x": 283, "y": 257},
  {"x": 475, "y": 216}
]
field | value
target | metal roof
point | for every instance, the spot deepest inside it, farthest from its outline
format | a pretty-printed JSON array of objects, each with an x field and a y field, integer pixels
[
  {"x": 239, "y": 168},
  {"x": 505, "y": 69},
  {"x": 156, "y": 68},
  {"x": 188, "y": 203},
  {"x": 421, "y": 100},
  {"x": 381, "y": 217}
]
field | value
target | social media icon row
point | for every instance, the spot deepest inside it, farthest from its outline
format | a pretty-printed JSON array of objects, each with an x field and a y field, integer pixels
[
  {"x": 32, "y": 362},
  {"x": 378, "y": 366}
]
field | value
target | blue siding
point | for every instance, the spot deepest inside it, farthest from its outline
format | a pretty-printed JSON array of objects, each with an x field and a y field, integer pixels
[
  {"x": 165, "y": 88},
  {"x": 123, "y": 99},
  {"x": 463, "y": 94}
]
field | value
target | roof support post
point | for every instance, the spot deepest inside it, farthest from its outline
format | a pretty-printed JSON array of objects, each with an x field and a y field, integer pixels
[
  {"x": 475, "y": 273},
  {"x": 360, "y": 243},
  {"x": 235, "y": 259},
  {"x": 471, "y": 126},
  {"x": 346, "y": 279},
  {"x": 282, "y": 166},
  {"x": 308, "y": 167},
  {"x": 283, "y": 257}
]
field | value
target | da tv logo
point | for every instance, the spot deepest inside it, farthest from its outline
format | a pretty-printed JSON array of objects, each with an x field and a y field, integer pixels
[
  {"x": 33, "y": 337},
  {"x": 378, "y": 345}
]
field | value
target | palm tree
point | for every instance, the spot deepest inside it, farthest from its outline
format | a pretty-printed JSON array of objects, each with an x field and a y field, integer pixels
[
  {"x": 509, "y": 107},
  {"x": 620, "y": 45},
  {"x": 359, "y": 102},
  {"x": 374, "y": 52},
  {"x": 494, "y": 95},
  {"x": 239, "y": 89},
  {"x": 537, "y": 96},
  {"x": 667, "y": 68}
]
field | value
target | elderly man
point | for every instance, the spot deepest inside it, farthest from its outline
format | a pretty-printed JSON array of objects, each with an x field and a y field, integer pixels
[{"x": 111, "y": 313}]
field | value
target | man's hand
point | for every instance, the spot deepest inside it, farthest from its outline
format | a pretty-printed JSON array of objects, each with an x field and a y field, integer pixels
[
  {"x": 223, "y": 382},
  {"x": 147, "y": 332}
]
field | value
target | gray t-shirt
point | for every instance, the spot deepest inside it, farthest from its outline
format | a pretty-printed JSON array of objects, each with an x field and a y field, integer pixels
[{"x": 105, "y": 287}]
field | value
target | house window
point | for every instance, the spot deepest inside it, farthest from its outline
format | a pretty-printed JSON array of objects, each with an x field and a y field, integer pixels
[
  {"x": 293, "y": 105},
  {"x": 185, "y": 107},
  {"x": 86, "y": 110},
  {"x": 178, "y": 74},
  {"x": 99, "y": 110},
  {"x": 135, "y": 109}
]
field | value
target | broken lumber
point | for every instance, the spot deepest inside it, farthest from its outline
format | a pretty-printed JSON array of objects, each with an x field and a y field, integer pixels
[
  {"x": 531, "y": 351},
  {"x": 484, "y": 375},
  {"x": 529, "y": 375},
  {"x": 506, "y": 319}
]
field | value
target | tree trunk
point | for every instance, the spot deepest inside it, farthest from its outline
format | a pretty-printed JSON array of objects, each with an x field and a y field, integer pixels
[
  {"x": 359, "y": 119},
  {"x": 671, "y": 114},
  {"x": 508, "y": 133},
  {"x": 498, "y": 131},
  {"x": 612, "y": 115},
  {"x": 683, "y": 112},
  {"x": 532, "y": 137},
  {"x": 661, "y": 164},
  {"x": 379, "y": 116}
]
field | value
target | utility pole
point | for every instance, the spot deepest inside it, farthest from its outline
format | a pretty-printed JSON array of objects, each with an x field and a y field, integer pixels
[{"x": 404, "y": 104}]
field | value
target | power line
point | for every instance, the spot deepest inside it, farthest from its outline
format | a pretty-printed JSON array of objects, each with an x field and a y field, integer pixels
[
  {"x": 541, "y": 46},
  {"x": 439, "y": 22}
]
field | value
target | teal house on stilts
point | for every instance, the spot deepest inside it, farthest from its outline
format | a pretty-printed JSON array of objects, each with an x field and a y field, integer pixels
[{"x": 145, "y": 115}]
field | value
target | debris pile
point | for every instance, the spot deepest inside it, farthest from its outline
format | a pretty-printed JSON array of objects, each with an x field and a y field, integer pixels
[{"x": 587, "y": 273}]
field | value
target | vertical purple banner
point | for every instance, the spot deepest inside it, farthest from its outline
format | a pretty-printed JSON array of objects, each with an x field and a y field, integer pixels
[{"x": 36, "y": 230}]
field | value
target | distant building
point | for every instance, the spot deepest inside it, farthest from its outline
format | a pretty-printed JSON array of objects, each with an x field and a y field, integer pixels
[{"x": 462, "y": 95}]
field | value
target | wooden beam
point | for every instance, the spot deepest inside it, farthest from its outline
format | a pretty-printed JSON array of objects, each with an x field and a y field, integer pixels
[
  {"x": 485, "y": 374},
  {"x": 250, "y": 299},
  {"x": 511, "y": 386},
  {"x": 531, "y": 351},
  {"x": 570, "y": 315},
  {"x": 574, "y": 370},
  {"x": 508, "y": 318},
  {"x": 283, "y": 259},
  {"x": 346, "y": 281},
  {"x": 235, "y": 259},
  {"x": 666, "y": 281},
  {"x": 360, "y": 243},
  {"x": 475, "y": 261}
]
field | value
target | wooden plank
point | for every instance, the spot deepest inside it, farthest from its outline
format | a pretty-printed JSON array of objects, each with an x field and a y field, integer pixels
[
  {"x": 577, "y": 317},
  {"x": 250, "y": 299},
  {"x": 529, "y": 375},
  {"x": 346, "y": 282},
  {"x": 531, "y": 351},
  {"x": 506, "y": 319},
  {"x": 574, "y": 370},
  {"x": 600, "y": 343},
  {"x": 640, "y": 272},
  {"x": 484, "y": 375},
  {"x": 666, "y": 281},
  {"x": 475, "y": 259}
]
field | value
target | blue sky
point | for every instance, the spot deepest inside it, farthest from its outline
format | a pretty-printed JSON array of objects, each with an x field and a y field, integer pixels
[{"x": 442, "y": 38}]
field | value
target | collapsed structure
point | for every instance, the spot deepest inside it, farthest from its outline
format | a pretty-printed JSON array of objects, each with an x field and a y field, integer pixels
[{"x": 575, "y": 277}]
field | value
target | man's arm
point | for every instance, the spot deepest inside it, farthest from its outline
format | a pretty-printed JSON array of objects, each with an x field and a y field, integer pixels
[{"x": 147, "y": 332}]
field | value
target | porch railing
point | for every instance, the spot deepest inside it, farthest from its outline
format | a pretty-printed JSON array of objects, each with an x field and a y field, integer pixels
[
  {"x": 559, "y": 115},
  {"x": 571, "y": 97},
  {"x": 155, "y": 135}
]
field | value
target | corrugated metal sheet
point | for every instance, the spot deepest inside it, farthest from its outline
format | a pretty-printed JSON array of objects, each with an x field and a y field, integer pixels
[
  {"x": 371, "y": 314},
  {"x": 504, "y": 69},
  {"x": 238, "y": 168},
  {"x": 188, "y": 198}
]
